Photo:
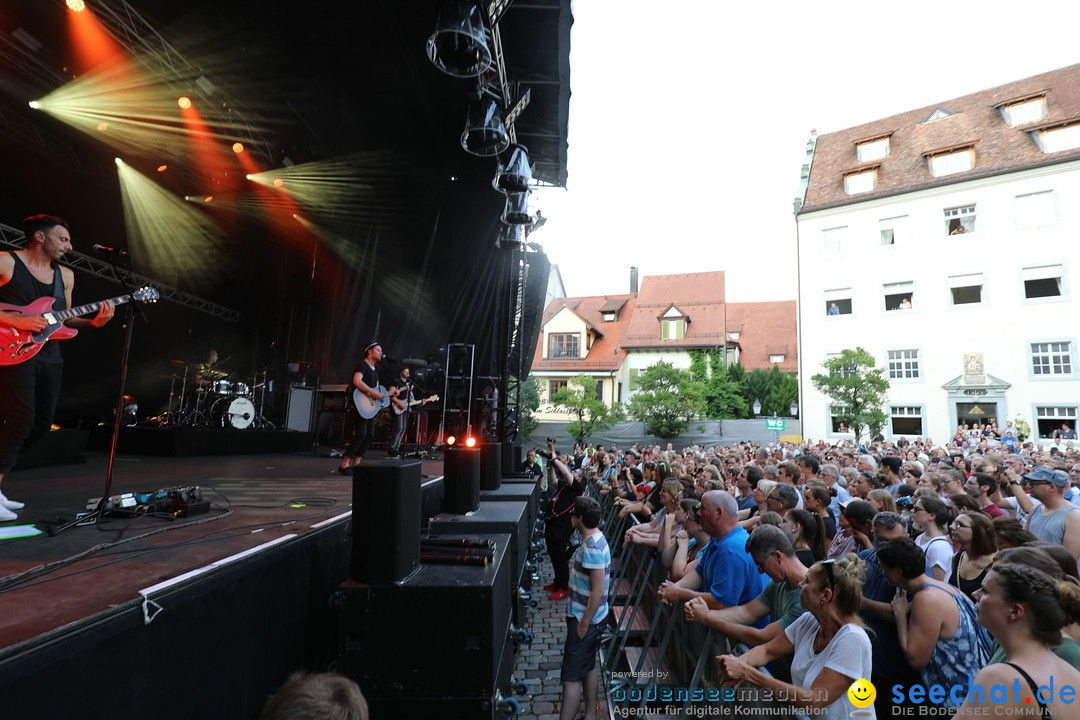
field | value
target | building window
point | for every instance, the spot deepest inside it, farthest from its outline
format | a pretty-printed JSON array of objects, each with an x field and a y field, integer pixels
[
  {"x": 776, "y": 359},
  {"x": 1024, "y": 111},
  {"x": 899, "y": 296},
  {"x": 672, "y": 329},
  {"x": 599, "y": 391},
  {"x": 860, "y": 182},
  {"x": 966, "y": 289},
  {"x": 634, "y": 374},
  {"x": 903, "y": 364},
  {"x": 838, "y": 302},
  {"x": 872, "y": 150},
  {"x": 554, "y": 386},
  {"x": 564, "y": 345},
  {"x": 906, "y": 419},
  {"x": 892, "y": 229},
  {"x": 1059, "y": 139},
  {"x": 608, "y": 317},
  {"x": 1035, "y": 209},
  {"x": 1049, "y": 419},
  {"x": 841, "y": 371},
  {"x": 837, "y": 421},
  {"x": 834, "y": 239},
  {"x": 1051, "y": 359},
  {"x": 1042, "y": 282},
  {"x": 951, "y": 163},
  {"x": 959, "y": 220}
]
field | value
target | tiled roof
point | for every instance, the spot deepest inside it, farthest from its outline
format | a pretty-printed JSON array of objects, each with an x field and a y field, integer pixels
[
  {"x": 765, "y": 328},
  {"x": 699, "y": 296},
  {"x": 976, "y": 121},
  {"x": 607, "y": 352}
]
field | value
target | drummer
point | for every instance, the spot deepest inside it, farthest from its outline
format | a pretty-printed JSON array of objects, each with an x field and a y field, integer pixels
[{"x": 206, "y": 373}]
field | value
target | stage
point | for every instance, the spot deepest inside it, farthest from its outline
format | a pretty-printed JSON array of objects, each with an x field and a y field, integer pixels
[{"x": 143, "y": 616}]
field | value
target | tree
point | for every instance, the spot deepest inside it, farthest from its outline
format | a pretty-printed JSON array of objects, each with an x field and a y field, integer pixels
[
  {"x": 590, "y": 415},
  {"x": 773, "y": 388},
  {"x": 530, "y": 403},
  {"x": 723, "y": 396},
  {"x": 856, "y": 388},
  {"x": 667, "y": 400}
]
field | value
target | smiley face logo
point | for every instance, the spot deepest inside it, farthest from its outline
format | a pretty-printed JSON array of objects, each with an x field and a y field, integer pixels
[{"x": 862, "y": 693}]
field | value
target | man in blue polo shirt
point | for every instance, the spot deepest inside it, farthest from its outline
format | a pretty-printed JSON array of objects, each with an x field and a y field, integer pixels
[{"x": 725, "y": 576}]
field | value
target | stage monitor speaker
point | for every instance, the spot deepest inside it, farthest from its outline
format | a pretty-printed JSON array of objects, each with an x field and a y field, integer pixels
[
  {"x": 298, "y": 414},
  {"x": 461, "y": 467},
  {"x": 519, "y": 359},
  {"x": 511, "y": 457},
  {"x": 490, "y": 466},
  {"x": 386, "y": 511}
]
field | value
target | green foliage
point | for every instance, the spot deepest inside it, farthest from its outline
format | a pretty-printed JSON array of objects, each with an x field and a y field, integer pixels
[
  {"x": 667, "y": 400},
  {"x": 773, "y": 388},
  {"x": 723, "y": 396},
  {"x": 589, "y": 414},
  {"x": 857, "y": 389},
  {"x": 530, "y": 403}
]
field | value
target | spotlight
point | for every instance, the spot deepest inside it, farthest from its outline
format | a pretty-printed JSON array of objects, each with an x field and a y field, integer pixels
[
  {"x": 184, "y": 102},
  {"x": 118, "y": 161},
  {"x": 470, "y": 441},
  {"x": 162, "y": 168},
  {"x": 515, "y": 175},
  {"x": 459, "y": 46},
  {"x": 278, "y": 182},
  {"x": 102, "y": 127},
  {"x": 76, "y": 5},
  {"x": 208, "y": 198},
  {"x": 509, "y": 238},
  {"x": 485, "y": 133},
  {"x": 516, "y": 211},
  {"x": 34, "y": 104},
  {"x": 451, "y": 440},
  {"x": 238, "y": 147}
]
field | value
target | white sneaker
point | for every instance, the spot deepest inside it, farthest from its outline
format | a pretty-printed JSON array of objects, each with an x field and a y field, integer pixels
[
  {"x": 10, "y": 504},
  {"x": 6, "y": 515}
]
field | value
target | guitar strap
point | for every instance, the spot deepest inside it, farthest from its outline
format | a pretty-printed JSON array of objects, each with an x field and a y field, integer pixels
[{"x": 58, "y": 288}]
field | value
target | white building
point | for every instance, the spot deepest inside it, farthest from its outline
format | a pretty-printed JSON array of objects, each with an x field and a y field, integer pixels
[{"x": 944, "y": 241}]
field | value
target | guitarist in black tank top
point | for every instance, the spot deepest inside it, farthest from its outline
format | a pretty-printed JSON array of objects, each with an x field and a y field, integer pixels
[
  {"x": 366, "y": 380},
  {"x": 29, "y": 390}
]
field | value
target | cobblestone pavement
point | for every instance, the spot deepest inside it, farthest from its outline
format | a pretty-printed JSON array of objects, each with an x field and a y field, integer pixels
[{"x": 539, "y": 663}]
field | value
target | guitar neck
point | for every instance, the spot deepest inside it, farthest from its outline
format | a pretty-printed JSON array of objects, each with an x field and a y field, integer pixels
[{"x": 88, "y": 308}]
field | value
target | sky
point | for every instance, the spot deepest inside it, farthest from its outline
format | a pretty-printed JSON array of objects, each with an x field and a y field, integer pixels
[{"x": 689, "y": 120}]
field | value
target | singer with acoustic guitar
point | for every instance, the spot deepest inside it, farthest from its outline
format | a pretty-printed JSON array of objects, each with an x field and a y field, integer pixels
[
  {"x": 30, "y": 388},
  {"x": 369, "y": 397}
]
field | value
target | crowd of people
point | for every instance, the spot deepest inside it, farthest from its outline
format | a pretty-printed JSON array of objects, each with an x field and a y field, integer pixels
[{"x": 903, "y": 563}]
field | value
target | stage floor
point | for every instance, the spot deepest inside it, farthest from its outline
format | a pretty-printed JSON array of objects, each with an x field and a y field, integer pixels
[{"x": 47, "y": 583}]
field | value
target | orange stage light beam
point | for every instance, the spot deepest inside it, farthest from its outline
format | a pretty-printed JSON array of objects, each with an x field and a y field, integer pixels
[{"x": 90, "y": 42}]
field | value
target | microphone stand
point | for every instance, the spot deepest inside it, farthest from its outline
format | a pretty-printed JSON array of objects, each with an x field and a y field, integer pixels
[{"x": 132, "y": 305}]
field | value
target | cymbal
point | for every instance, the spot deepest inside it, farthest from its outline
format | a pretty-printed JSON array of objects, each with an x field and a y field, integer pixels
[
  {"x": 178, "y": 363},
  {"x": 413, "y": 363}
]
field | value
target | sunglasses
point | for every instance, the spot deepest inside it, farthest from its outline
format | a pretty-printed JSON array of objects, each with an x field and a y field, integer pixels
[{"x": 828, "y": 565}]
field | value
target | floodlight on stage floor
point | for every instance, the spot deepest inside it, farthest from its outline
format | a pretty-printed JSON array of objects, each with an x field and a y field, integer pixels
[
  {"x": 485, "y": 133},
  {"x": 515, "y": 174},
  {"x": 459, "y": 46}
]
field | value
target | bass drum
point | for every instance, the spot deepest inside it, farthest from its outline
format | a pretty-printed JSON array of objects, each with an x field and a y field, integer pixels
[{"x": 236, "y": 412}]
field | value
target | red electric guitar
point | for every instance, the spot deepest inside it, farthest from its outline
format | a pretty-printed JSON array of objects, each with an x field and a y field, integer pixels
[{"x": 17, "y": 346}]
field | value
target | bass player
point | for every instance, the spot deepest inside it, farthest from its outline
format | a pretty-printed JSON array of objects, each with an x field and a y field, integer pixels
[{"x": 29, "y": 390}]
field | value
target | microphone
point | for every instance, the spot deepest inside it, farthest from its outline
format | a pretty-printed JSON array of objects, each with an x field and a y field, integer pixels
[{"x": 108, "y": 250}]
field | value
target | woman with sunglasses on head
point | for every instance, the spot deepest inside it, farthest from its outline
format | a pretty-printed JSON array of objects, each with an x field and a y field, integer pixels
[
  {"x": 1025, "y": 609},
  {"x": 973, "y": 533},
  {"x": 681, "y": 556},
  {"x": 828, "y": 643},
  {"x": 932, "y": 516},
  {"x": 936, "y": 628}
]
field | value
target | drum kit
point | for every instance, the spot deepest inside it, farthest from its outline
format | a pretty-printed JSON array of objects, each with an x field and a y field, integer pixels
[{"x": 207, "y": 397}]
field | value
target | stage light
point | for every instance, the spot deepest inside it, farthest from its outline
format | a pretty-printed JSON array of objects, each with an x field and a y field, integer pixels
[
  {"x": 34, "y": 104},
  {"x": 208, "y": 198},
  {"x": 470, "y": 441},
  {"x": 451, "y": 440},
  {"x": 485, "y": 132},
  {"x": 459, "y": 46},
  {"x": 278, "y": 182},
  {"x": 184, "y": 102},
  {"x": 509, "y": 238},
  {"x": 515, "y": 175},
  {"x": 102, "y": 127},
  {"x": 76, "y": 5},
  {"x": 516, "y": 211},
  {"x": 162, "y": 168},
  {"x": 238, "y": 147},
  {"x": 118, "y": 161}
]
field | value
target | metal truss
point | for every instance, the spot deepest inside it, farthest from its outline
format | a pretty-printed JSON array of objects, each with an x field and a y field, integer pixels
[{"x": 14, "y": 239}]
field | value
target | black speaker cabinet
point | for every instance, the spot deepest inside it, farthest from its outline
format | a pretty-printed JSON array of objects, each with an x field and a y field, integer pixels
[
  {"x": 461, "y": 469},
  {"x": 386, "y": 510},
  {"x": 515, "y": 490},
  {"x": 492, "y": 517},
  {"x": 490, "y": 466},
  {"x": 511, "y": 457},
  {"x": 443, "y": 633}
]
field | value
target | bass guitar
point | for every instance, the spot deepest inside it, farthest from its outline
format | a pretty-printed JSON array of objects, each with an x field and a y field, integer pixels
[
  {"x": 18, "y": 346},
  {"x": 369, "y": 408},
  {"x": 398, "y": 410}
]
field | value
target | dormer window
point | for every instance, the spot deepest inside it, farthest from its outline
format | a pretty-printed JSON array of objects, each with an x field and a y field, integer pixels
[
  {"x": 673, "y": 324},
  {"x": 608, "y": 317},
  {"x": 1024, "y": 111},
  {"x": 1064, "y": 137},
  {"x": 870, "y": 150},
  {"x": 776, "y": 358},
  {"x": 860, "y": 182},
  {"x": 564, "y": 345},
  {"x": 952, "y": 161}
]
